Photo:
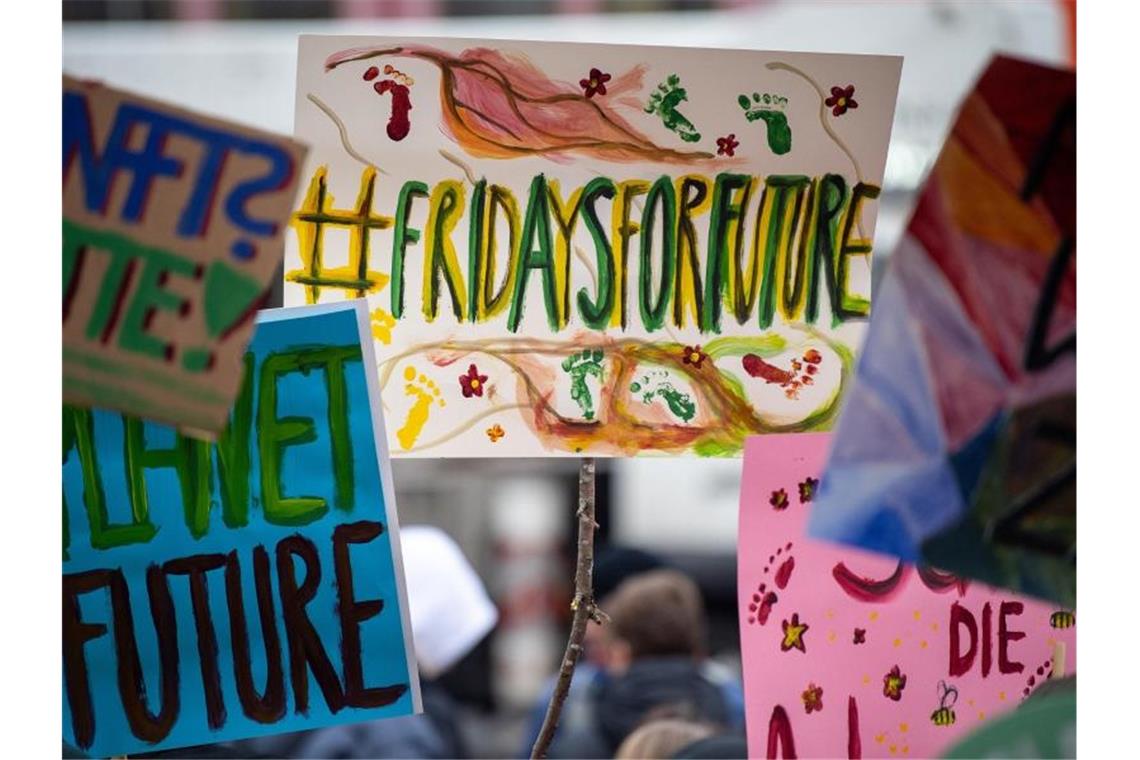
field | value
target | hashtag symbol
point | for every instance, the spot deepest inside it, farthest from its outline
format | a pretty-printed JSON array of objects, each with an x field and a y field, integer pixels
[{"x": 314, "y": 217}]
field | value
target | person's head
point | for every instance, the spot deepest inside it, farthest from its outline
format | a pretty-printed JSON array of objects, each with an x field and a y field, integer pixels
[
  {"x": 654, "y": 614},
  {"x": 449, "y": 607},
  {"x": 661, "y": 739}
]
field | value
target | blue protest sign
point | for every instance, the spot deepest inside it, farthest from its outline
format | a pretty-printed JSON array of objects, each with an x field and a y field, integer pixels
[{"x": 247, "y": 587}]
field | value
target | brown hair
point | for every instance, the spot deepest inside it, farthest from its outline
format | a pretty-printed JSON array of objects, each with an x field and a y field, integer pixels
[
  {"x": 659, "y": 613},
  {"x": 660, "y": 739}
]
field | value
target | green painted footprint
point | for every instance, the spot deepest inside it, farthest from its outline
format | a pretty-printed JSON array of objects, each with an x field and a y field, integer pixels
[
  {"x": 770, "y": 109},
  {"x": 664, "y": 101},
  {"x": 579, "y": 366},
  {"x": 656, "y": 385}
]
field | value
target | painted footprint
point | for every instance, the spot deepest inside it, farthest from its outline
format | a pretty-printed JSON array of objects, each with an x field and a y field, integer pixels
[
  {"x": 765, "y": 597},
  {"x": 397, "y": 86},
  {"x": 664, "y": 101},
  {"x": 426, "y": 394},
  {"x": 769, "y": 108},
  {"x": 802, "y": 373},
  {"x": 579, "y": 367},
  {"x": 382, "y": 324},
  {"x": 656, "y": 385}
]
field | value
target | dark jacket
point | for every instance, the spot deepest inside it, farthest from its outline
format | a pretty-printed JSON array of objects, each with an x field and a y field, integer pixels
[{"x": 673, "y": 687}]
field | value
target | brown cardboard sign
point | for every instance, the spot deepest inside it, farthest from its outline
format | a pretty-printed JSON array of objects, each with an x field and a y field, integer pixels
[{"x": 173, "y": 225}]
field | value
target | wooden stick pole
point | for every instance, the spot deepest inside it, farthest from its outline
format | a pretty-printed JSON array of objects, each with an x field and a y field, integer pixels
[{"x": 583, "y": 607}]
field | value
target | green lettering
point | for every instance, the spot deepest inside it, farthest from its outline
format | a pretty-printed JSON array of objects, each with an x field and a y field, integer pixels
[
  {"x": 104, "y": 534},
  {"x": 851, "y": 306},
  {"x": 653, "y": 315},
  {"x": 724, "y": 213},
  {"x": 232, "y": 453},
  {"x": 151, "y": 296},
  {"x": 275, "y": 434},
  {"x": 190, "y": 460},
  {"x": 597, "y": 314},
  {"x": 830, "y": 195},
  {"x": 777, "y": 233},
  {"x": 536, "y": 223},
  {"x": 402, "y": 235}
]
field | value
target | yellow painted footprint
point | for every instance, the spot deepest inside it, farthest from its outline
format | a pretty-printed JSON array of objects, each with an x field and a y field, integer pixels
[
  {"x": 426, "y": 393},
  {"x": 382, "y": 324}
]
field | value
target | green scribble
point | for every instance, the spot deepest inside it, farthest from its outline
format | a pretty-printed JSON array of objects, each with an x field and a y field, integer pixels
[
  {"x": 769, "y": 109},
  {"x": 679, "y": 403},
  {"x": 664, "y": 101},
  {"x": 771, "y": 344},
  {"x": 579, "y": 366}
]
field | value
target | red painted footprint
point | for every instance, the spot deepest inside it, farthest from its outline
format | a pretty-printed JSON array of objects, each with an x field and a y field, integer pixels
[
  {"x": 764, "y": 599},
  {"x": 790, "y": 380},
  {"x": 1041, "y": 675},
  {"x": 399, "y": 124}
]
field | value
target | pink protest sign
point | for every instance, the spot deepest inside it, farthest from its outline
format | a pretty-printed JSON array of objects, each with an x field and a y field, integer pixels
[{"x": 851, "y": 654}]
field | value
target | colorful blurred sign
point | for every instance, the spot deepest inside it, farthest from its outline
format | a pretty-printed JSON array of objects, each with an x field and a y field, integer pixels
[
  {"x": 593, "y": 249},
  {"x": 172, "y": 230},
  {"x": 957, "y": 444},
  {"x": 249, "y": 587},
  {"x": 850, "y": 654}
]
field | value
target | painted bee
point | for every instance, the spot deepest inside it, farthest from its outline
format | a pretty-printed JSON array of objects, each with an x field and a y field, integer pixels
[
  {"x": 1062, "y": 619},
  {"x": 944, "y": 715}
]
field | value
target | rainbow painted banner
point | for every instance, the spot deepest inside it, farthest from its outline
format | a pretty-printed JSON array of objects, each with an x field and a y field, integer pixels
[
  {"x": 254, "y": 586},
  {"x": 172, "y": 229},
  {"x": 592, "y": 249},
  {"x": 958, "y": 442}
]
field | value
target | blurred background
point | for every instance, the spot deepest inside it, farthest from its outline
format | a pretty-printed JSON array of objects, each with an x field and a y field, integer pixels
[{"x": 515, "y": 520}]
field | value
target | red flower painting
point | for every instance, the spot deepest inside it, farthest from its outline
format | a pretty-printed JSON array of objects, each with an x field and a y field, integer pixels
[
  {"x": 893, "y": 684},
  {"x": 808, "y": 487},
  {"x": 596, "y": 84},
  {"x": 813, "y": 698},
  {"x": 694, "y": 355},
  {"x": 841, "y": 100},
  {"x": 472, "y": 383},
  {"x": 726, "y": 146}
]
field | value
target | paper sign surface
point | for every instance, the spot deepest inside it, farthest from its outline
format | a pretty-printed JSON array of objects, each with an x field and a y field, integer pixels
[
  {"x": 172, "y": 229},
  {"x": 957, "y": 444},
  {"x": 592, "y": 249},
  {"x": 249, "y": 587},
  {"x": 850, "y": 654}
]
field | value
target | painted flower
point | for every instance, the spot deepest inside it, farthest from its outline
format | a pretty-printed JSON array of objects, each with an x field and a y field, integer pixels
[
  {"x": 472, "y": 383},
  {"x": 495, "y": 432},
  {"x": 726, "y": 146},
  {"x": 841, "y": 100},
  {"x": 779, "y": 500},
  {"x": 813, "y": 698},
  {"x": 807, "y": 489},
  {"x": 893, "y": 684},
  {"x": 694, "y": 355},
  {"x": 860, "y": 636},
  {"x": 596, "y": 84},
  {"x": 811, "y": 356}
]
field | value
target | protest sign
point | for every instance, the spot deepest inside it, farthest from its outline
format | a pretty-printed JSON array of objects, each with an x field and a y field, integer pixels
[
  {"x": 593, "y": 249},
  {"x": 957, "y": 444},
  {"x": 172, "y": 230},
  {"x": 847, "y": 653},
  {"x": 248, "y": 587}
]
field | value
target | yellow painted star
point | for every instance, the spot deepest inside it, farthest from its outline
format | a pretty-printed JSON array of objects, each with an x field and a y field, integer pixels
[{"x": 794, "y": 632}]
